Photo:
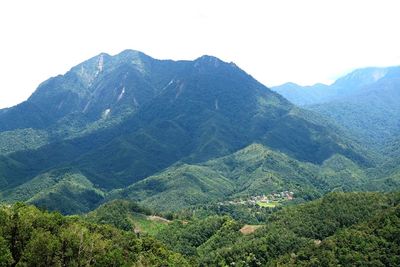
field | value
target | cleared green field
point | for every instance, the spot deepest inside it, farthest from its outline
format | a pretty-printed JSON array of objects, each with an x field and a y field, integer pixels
[
  {"x": 145, "y": 225},
  {"x": 272, "y": 204}
]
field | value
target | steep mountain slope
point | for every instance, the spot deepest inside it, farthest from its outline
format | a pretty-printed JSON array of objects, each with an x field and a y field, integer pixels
[
  {"x": 116, "y": 120},
  {"x": 387, "y": 175},
  {"x": 64, "y": 190},
  {"x": 374, "y": 114},
  {"x": 364, "y": 101},
  {"x": 90, "y": 88},
  {"x": 112, "y": 121},
  {"x": 98, "y": 92}
]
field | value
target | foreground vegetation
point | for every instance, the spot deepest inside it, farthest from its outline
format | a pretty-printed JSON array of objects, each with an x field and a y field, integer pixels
[
  {"x": 346, "y": 229},
  {"x": 31, "y": 237}
]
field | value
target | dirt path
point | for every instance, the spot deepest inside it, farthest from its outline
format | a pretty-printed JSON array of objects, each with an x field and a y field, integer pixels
[{"x": 158, "y": 219}]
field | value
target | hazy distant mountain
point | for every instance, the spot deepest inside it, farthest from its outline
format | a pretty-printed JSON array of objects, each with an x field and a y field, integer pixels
[
  {"x": 350, "y": 84},
  {"x": 304, "y": 95},
  {"x": 365, "y": 101}
]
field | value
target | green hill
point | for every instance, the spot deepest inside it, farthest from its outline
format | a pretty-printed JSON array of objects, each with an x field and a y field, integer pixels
[{"x": 254, "y": 170}]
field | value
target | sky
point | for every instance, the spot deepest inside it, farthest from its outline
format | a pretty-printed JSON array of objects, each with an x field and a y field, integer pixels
[{"x": 278, "y": 41}]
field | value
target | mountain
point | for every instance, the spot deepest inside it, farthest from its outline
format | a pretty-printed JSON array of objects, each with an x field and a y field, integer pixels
[
  {"x": 364, "y": 102},
  {"x": 304, "y": 95},
  {"x": 348, "y": 85},
  {"x": 119, "y": 139},
  {"x": 97, "y": 92},
  {"x": 112, "y": 121}
]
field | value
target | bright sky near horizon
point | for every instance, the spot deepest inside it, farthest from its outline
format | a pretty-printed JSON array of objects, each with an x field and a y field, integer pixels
[{"x": 304, "y": 41}]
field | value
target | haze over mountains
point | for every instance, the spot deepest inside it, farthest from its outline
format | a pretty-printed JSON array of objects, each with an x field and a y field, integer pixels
[
  {"x": 136, "y": 127},
  {"x": 364, "y": 101}
]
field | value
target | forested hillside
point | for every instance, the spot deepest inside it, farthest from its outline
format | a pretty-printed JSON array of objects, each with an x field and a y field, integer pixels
[
  {"x": 339, "y": 229},
  {"x": 364, "y": 101},
  {"x": 252, "y": 171}
]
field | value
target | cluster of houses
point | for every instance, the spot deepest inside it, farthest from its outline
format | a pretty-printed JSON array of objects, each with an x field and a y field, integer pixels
[{"x": 253, "y": 200}]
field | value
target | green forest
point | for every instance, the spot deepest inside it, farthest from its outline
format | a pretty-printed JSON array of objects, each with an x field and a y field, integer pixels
[
  {"x": 33, "y": 237},
  {"x": 346, "y": 229}
]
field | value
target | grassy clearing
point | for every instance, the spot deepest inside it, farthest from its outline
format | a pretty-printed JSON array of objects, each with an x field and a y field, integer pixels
[
  {"x": 148, "y": 225},
  {"x": 272, "y": 204}
]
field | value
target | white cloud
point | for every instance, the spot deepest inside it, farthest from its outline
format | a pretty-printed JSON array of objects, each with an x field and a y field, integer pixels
[{"x": 275, "y": 41}]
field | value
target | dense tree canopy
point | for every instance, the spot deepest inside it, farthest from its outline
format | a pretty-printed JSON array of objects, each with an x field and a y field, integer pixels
[{"x": 30, "y": 237}]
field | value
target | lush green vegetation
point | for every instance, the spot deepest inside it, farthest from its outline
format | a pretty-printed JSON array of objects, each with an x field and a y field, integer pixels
[
  {"x": 127, "y": 215},
  {"x": 245, "y": 214},
  {"x": 30, "y": 237},
  {"x": 200, "y": 237},
  {"x": 371, "y": 117},
  {"x": 22, "y": 139},
  {"x": 254, "y": 170},
  {"x": 341, "y": 228},
  {"x": 63, "y": 190}
]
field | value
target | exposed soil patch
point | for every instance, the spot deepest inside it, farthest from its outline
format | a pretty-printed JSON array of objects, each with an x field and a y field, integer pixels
[
  {"x": 158, "y": 219},
  {"x": 249, "y": 229}
]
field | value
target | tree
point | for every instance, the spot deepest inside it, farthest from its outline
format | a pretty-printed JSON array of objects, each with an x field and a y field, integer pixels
[{"x": 5, "y": 253}]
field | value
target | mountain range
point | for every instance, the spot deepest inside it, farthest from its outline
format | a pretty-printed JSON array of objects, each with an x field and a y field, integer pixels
[
  {"x": 172, "y": 134},
  {"x": 364, "y": 101}
]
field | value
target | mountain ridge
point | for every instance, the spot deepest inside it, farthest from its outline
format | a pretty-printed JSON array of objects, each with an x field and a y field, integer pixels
[{"x": 345, "y": 86}]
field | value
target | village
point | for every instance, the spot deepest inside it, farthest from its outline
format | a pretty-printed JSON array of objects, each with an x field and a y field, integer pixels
[{"x": 268, "y": 201}]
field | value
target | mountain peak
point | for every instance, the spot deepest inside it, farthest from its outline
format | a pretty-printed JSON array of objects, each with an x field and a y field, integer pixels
[
  {"x": 131, "y": 54},
  {"x": 209, "y": 60},
  {"x": 289, "y": 84},
  {"x": 361, "y": 77}
]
